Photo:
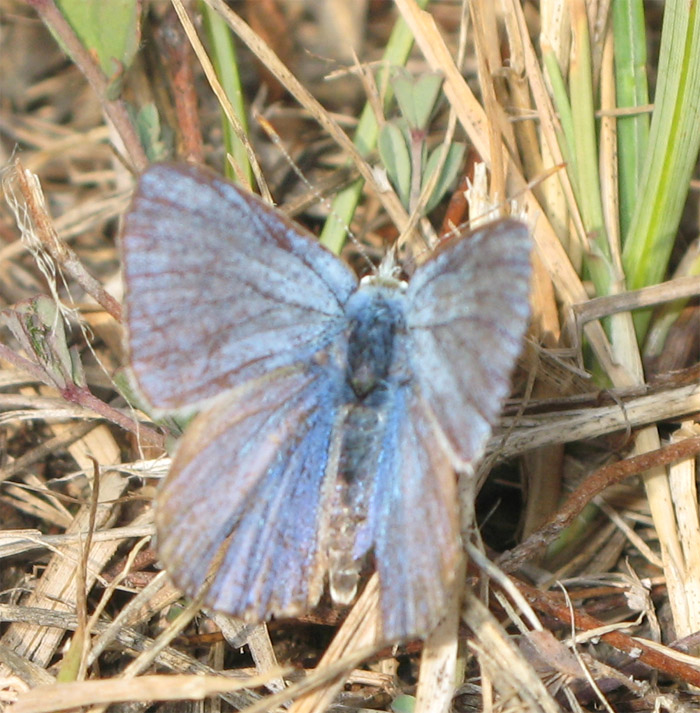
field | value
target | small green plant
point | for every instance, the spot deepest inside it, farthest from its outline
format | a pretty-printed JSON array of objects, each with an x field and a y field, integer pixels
[{"x": 403, "y": 145}]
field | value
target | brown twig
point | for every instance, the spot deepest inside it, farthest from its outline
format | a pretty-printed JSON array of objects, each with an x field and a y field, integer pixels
[
  {"x": 115, "y": 109},
  {"x": 545, "y": 602},
  {"x": 593, "y": 485},
  {"x": 678, "y": 288}
]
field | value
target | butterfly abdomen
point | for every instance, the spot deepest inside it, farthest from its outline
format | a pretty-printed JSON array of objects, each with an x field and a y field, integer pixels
[{"x": 376, "y": 321}]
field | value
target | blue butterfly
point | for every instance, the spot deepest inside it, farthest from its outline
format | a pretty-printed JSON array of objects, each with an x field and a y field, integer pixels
[{"x": 334, "y": 412}]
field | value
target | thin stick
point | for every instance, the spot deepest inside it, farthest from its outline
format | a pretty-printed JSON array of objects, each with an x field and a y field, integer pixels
[
  {"x": 59, "y": 251},
  {"x": 593, "y": 485},
  {"x": 115, "y": 109}
]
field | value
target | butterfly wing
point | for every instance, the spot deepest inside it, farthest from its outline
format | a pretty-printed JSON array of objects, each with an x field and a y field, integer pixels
[
  {"x": 220, "y": 287},
  {"x": 468, "y": 308},
  {"x": 415, "y": 521},
  {"x": 466, "y": 312},
  {"x": 248, "y": 484}
]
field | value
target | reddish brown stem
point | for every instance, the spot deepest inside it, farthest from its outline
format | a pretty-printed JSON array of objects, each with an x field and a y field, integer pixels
[
  {"x": 85, "y": 398},
  {"x": 593, "y": 485},
  {"x": 456, "y": 212},
  {"x": 178, "y": 53},
  {"x": 547, "y": 604},
  {"x": 115, "y": 109}
]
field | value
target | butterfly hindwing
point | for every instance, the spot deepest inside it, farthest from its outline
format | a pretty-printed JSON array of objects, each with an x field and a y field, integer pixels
[
  {"x": 397, "y": 482},
  {"x": 249, "y": 483},
  {"x": 415, "y": 521}
]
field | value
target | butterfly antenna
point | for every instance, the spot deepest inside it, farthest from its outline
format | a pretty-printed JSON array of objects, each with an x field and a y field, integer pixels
[
  {"x": 389, "y": 266},
  {"x": 275, "y": 138}
]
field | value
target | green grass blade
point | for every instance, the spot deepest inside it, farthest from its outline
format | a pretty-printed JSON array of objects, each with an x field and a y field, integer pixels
[
  {"x": 223, "y": 56},
  {"x": 674, "y": 140},
  {"x": 586, "y": 151},
  {"x": 397, "y": 50},
  {"x": 632, "y": 91}
]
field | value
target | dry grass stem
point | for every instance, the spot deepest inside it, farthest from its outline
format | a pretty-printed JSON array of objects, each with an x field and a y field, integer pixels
[{"x": 590, "y": 478}]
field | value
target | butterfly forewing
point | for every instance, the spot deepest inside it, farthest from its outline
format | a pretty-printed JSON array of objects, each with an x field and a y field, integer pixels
[
  {"x": 467, "y": 314},
  {"x": 220, "y": 288}
]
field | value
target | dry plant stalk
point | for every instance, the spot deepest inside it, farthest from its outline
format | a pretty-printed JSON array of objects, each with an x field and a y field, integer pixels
[{"x": 39, "y": 626}]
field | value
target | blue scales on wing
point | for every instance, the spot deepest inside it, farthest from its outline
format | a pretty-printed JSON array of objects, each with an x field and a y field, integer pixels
[
  {"x": 248, "y": 485},
  {"x": 468, "y": 309},
  {"x": 220, "y": 287},
  {"x": 337, "y": 414},
  {"x": 395, "y": 485}
]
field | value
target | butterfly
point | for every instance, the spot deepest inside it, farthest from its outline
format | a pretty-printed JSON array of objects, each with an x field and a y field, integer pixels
[{"x": 334, "y": 412}]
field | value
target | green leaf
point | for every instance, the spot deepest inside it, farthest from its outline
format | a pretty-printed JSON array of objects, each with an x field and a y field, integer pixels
[
  {"x": 109, "y": 28},
  {"x": 38, "y": 326},
  {"x": 403, "y": 704},
  {"x": 148, "y": 126},
  {"x": 174, "y": 423},
  {"x": 393, "y": 150},
  {"x": 416, "y": 96},
  {"x": 452, "y": 165},
  {"x": 70, "y": 665}
]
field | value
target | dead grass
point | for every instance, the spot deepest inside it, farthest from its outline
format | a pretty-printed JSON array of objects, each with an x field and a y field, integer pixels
[{"x": 601, "y": 600}]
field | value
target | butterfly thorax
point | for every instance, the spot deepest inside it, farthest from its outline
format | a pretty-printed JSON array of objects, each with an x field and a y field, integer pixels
[{"x": 376, "y": 316}]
